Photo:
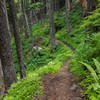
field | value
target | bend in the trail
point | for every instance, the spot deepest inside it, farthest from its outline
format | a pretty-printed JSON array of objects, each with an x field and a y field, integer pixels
[{"x": 61, "y": 86}]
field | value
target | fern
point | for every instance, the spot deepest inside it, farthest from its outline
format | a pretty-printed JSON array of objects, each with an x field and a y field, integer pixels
[
  {"x": 93, "y": 73},
  {"x": 97, "y": 64}
]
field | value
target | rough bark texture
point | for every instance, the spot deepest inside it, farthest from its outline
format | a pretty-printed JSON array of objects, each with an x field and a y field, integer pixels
[
  {"x": 2, "y": 86},
  {"x": 52, "y": 29},
  {"x": 67, "y": 16},
  {"x": 25, "y": 19},
  {"x": 28, "y": 22},
  {"x": 5, "y": 48},
  {"x": 17, "y": 39}
]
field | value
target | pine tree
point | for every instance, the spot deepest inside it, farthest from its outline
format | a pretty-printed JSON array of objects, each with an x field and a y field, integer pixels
[
  {"x": 17, "y": 39},
  {"x": 5, "y": 48}
]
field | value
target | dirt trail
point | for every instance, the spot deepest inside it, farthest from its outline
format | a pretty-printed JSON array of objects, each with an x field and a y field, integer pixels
[{"x": 60, "y": 86}]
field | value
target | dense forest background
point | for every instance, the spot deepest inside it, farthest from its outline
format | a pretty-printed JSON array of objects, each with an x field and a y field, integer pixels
[{"x": 33, "y": 39}]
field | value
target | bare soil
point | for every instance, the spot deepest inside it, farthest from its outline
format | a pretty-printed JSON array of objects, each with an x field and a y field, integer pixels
[{"x": 61, "y": 86}]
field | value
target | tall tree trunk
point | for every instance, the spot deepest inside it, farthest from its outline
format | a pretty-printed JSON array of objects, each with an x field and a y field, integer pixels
[
  {"x": 26, "y": 26},
  {"x": 84, "y": 12},
  {"x": 25, "y": 31},
  {"x": 67, "y": 16},
  {"x": 47, "y": 8},
  {"x": 61, "y": 3},
  {"x": 44, "y": 6},
  {"x": 91, "y": 4},
  {"x": 57, "y": 5},
  {"x": 84, "y": 7},
  {"x": 52, "y": 29},
  {"x": 70, "y": 4},
  {"x": 2, "y": 86},
  {"x": 30, "y": 26},
  {"x": 5, "y": 48},
  {"x": 17, "y": 39}
]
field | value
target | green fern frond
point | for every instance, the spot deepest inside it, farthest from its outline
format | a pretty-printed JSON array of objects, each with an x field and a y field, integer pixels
[
  {"x": 93, "y": 73},
  {"x": 97, "y": 64}
]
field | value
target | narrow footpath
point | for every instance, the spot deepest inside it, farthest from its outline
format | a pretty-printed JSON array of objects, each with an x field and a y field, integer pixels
[{"x": 61, "y": 86}]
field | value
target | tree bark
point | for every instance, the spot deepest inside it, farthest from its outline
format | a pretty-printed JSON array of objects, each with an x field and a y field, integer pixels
[
  {"x": 56, "y": 6},
  {"x": 70, "y": 4},
  {"x": 2, "y": 86},
  {"x": 5, "y": 48},
  {"x": 26, "y": 28},
  {"x": 91, "y": 4},
  {"x": 30, "y": 26},
  {"x": 67, "y": 16},
  {"x": 17, "y": 39},
  {"x": 44, "y": 6},
  {"x": 52, "y": 28}
]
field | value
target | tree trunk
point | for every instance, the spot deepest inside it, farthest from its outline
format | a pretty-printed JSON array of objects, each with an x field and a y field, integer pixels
[
  {"x": 2, "y": 86},
  {"x": 84, "y": 7},
  {"x": 84, "y": 12},
  {"x": 70, "y": 4},
  {"x": 91, "y": 4},
  {"x": 61, "y": 3},
  {"x": 26, "y": 28},
  {"x": 44, "y": 6},
  {"x": 52, "y": 29},
  {"x": 26, "y": 32},
  {"x": 56, "y": 6},
  {"x": 5, "y": 48},
  {"x": 30, "y": 26},
  {"x": 17, "y": 39},
  {"x": 67, "y": 16}
]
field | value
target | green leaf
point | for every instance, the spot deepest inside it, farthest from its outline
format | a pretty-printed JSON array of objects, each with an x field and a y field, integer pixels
[
  {"x": 97, "y": 64},
  {"x": 96, "y": 86},
  {"x": 93, "y": 73}
]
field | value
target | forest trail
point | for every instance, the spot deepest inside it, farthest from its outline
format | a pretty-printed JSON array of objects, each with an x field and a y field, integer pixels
[{"x": 61, "y": 86}]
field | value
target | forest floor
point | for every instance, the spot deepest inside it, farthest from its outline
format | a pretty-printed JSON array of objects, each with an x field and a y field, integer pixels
[{"x": 61, "y": 86}]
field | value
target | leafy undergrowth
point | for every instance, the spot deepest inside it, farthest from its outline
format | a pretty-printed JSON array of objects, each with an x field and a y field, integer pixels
[
  {"x": 31, "y": 86},
  {"x": 86, "y": 52},
  {"x": 41, "y": 62},
  {"x": 77, "y": 35},
  {"x": 86, "y": 46}
]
